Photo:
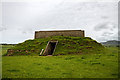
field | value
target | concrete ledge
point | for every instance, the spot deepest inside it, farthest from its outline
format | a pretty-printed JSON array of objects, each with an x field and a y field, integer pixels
[{"x": 74, "y": 33}]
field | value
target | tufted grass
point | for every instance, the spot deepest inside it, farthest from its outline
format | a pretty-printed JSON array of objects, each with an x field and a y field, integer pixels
[
  {"x": 63, "y": 66},
  {"x": 66, "y": 45}
]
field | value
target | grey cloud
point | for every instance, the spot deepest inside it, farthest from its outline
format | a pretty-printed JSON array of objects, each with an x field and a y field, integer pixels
[
  {"x": 28, "y": 17},
  {"x": 107, "y": 34},
  {"x": 114, "y": 26},
  {"x": 101, "y": 38},
  {"x": 106, "y": 25},
  {"x": 108, "y": 37},
  {"x": 2, "y": 29},
  {"x": 115, "y": 37},
  {"x": 99, "y": 27},
  {"x": 104, "y": 17},
  {"x": 118, "y": 34},
  {"x": 26, "y": 31}
]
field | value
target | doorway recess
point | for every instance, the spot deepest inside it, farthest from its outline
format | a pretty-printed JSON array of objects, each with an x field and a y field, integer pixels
[{"x": 50, "y": 48}]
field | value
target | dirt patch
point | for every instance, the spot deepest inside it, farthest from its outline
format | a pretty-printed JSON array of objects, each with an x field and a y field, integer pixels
[
  {"x": 75, "y": 52},
  {"x": 71, "y": 47},
  {"x": 49, "y": 55},
  {"x": 10, "y": 52},
  {"x": 89, "y": 47}
]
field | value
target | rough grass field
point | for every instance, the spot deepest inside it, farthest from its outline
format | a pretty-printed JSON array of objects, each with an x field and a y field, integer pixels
[{"x": 102, "y": 65}]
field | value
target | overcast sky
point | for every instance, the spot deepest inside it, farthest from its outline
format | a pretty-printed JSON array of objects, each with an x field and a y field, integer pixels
[{"x": 20, "y": 20}]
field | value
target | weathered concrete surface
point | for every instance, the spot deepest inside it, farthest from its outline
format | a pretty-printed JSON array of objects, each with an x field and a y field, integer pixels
[{"x": 74, "y": 33}]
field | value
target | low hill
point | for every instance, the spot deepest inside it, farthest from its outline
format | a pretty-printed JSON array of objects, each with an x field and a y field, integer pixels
[
  {"x": 111, "y": 43},
  {"x": 65, "y": 45}
]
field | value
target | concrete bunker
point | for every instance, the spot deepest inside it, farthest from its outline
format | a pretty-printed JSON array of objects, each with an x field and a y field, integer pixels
[
  {"x": 50, "y": 48},
  {"x": 45, "y": 34}
]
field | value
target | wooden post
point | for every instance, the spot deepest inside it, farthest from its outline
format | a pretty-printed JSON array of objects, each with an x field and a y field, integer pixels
[{"x": 41, "y": 52}]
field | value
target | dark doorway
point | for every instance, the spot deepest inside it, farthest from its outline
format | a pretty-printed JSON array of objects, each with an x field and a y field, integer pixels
[{"x": 50, "y": 47}]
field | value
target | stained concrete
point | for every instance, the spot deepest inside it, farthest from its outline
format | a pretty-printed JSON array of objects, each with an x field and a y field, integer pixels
[{"x": 74, "y": 33}]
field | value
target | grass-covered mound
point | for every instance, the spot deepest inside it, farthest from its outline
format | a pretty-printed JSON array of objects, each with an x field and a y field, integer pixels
[{"x": 66, "y": 45}]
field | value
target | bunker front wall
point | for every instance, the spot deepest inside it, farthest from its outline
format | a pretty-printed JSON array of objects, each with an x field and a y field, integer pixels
[{"x": 44, "y": 34}]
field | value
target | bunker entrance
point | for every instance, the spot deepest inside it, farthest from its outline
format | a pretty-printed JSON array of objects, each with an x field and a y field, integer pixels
[{"x": 50, "y": 47}]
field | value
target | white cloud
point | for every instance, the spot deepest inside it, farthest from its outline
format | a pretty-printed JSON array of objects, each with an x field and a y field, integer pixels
[
  {"x": 23, "y": 18},
  {"x": 59, "y": 0}
]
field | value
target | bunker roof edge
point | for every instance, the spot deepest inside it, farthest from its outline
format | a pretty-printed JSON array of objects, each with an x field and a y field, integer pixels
[{"x": 58, "y": 30}]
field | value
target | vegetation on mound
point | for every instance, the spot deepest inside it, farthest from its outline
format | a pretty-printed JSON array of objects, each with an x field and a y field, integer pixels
[
  {"x": 66, "y": 45},
  {"x": 5, "y": 48}
]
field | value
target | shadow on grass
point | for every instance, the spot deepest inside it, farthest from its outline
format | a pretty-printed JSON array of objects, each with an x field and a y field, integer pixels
[{"x": 13, "y": 70}]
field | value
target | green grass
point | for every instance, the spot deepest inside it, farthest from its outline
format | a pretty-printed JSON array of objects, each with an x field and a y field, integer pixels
[
  {"x": 102, "y": 65},
  {"x": 4, "y": 48},
  {"x": 3, "y": 51},
  {"x": 66, "y": 45}
]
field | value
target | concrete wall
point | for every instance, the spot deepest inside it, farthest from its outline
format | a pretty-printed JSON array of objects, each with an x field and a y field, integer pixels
[{"x": 44, "y": 34}]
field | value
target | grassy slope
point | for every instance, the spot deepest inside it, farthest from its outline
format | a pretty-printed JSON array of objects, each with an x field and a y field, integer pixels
[
  {"x": 64, "y": 66},
  {"x": 66, "y": 45},
  {"x": 0, "y": 61},
  {"x": 4, "y": 48}
]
